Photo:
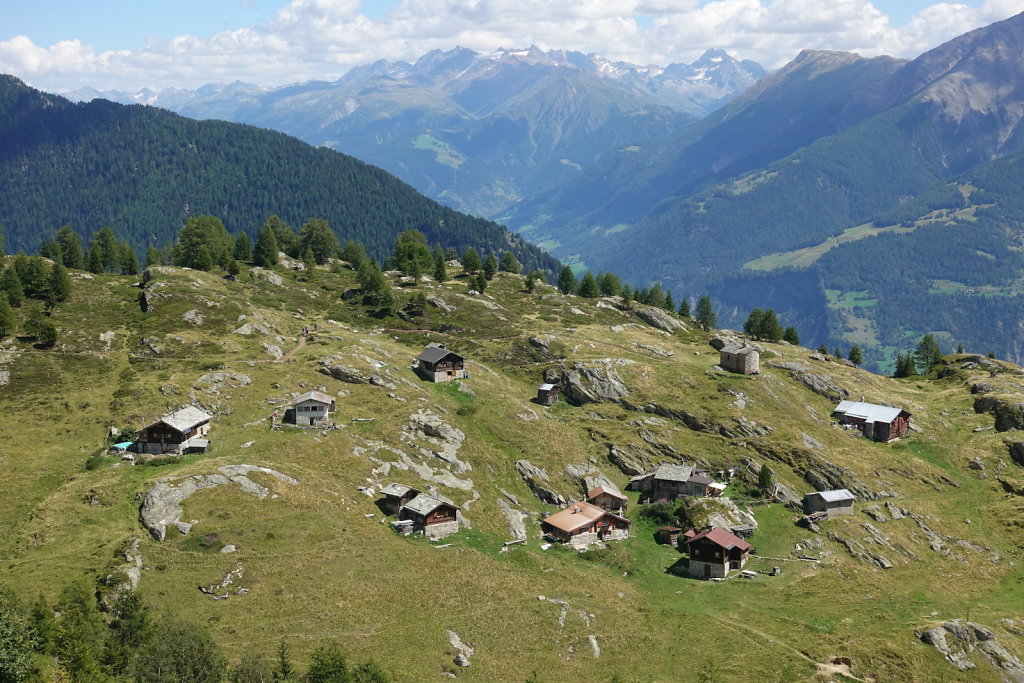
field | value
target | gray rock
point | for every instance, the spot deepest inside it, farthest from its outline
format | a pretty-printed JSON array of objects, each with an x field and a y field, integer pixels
[
  {"x": 817, "y": 382},
  {"x": 956, "y": 639},
  {"x": 537, "y": 479},
  {"x": 252, "y": 328},
  {"x": 515, "y": 519},
  {"x": 233, "y": 378},
  {"x": 982, "y": 388},
  {"x": 440, "y": 303},
  {"x": 229, "y": 548},
  {"x": 192, "y": 317},
  {"x": 594, "y": 382},
  {"x": 1017, "y": 452},
  {"x": 162, "y": 505},
  {"x": 659, "y": 318},
  {"x": 343, "y": 373},
  {"x": 267, "y": 276},
  {"x": 273, "y": 351}
]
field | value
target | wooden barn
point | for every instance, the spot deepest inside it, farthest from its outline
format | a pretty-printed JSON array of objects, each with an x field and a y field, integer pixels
[
  {"x": 582, "y": 524},
  {"x": 310, "y": 409},
  {"x": 183, "y": 431},
  {"x": 547, "y": 394},
  {"x": 432, "y": 516},
  {"x": 880, "y": 423},
  {"x": 740, "y": 358},
  {"x": 607, "y": 498},
  {"x": 397, "y": 495},
  {"x": 669, "y": 535},
  {"x": 437, "y": 364},
  {"x": 666, "y": 482},
  {"x": 833, "y": 503},
  {"x": 715, "y": 552}
]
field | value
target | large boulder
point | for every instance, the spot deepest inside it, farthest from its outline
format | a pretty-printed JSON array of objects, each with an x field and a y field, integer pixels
[
  {"x": 659, "y": 318},
  {"x": 346, "y": 374},
  {"x": 537, "y": 479},
  {"x": 595, "y": 381}
]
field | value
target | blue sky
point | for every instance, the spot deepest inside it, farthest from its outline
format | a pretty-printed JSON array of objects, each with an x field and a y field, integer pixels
[{"x": 129, "y": 44}]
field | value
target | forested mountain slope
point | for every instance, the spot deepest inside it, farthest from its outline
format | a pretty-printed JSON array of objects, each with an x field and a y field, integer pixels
[{"x": 142, "y": 171}]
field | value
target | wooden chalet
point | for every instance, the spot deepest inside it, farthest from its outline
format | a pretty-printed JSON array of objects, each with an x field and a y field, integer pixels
[
  {"x": 432, "y": 516},
  {"x": 700, "y": 485},
  {"x": 180, "y": 432},
  {"x": 669, "y": 535},
  {"x": 740, "y": 358},
  {"x": 880, "y": 423},
  {"x": 715, "y": 552},
  {"x": 607, "y": 498},
  {"x": 582, "y": 524},
  {"x": 832, "y": 503},
  {"x": 310, "y": 409},
  {"x": 666, "y": 482},
  {"x": 547, "y": 394},
  {"x": 437, "y": 364}
]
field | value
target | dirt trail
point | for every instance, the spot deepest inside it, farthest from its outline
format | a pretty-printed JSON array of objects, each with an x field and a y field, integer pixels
[{"x": 302, "y": 342}]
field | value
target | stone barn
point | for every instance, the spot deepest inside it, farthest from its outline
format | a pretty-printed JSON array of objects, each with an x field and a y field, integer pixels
[
  {"x": 740, "y": 358},
  {"x": 715, "y": 552},
  {"x": 879, "y": 423},
  {"x": 183, "y": 431},
  {"x": 397, "y": 495},
  {"x": 437, "y": 364},
  {"x": 839, "y": 502},
  {"x": 582, "y": 524}
]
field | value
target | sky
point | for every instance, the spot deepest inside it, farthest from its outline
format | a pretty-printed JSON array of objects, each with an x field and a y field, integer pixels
[{"x": 64, "y": 45}]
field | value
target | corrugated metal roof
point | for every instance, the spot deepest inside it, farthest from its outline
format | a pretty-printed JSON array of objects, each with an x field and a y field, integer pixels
[
  {"x": 836, "y": 496},
  {"x": 184, "y": 419},
  {"x": 570, "y": 520},
  {"x": 868, "y": 411},
  {"x": 545, "y": 387},
  {"x": 673, "y": 472},
  {"x": 314, "y": 396},
  {"x": 722, "y": 538}
]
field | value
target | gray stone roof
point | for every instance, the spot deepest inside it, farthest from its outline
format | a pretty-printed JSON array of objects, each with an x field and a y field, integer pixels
[
  {"x": 869, "y": 411},
  {"x": 837, "y": 496},
  {"x": 184, "y": 419},
  {"x": 673, "y": 472},
  {"x": 314, "y": 396},
  {"x": 394, "y": 489},
  {"x": 738, "y": 349},
  {"x": 424, "y": 504}
]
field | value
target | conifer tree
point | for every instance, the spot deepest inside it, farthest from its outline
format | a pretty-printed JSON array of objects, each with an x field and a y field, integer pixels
[
  {"x": 480, "y": 282},
  {"x": 129, "y": 631},
  {"x": 655, "y": 296},
  {"x": 823, "y": 349},
  {"x": 684, "y": 307},
  {"x": 70, "y": 247},
  {"x": 927, "y": 354},
  {"x": 59, "y": 286},
  {"x": 509, "y": 264},
  {"x": 94, "y": 262},
  {"x": 266, "y": 249},
  {"x": 8, "y": 321},
  {"x": 610, "y": 285},
  {"x": 588, "y": 286},
  {"x": 566, "y": 280},
  {"x": 152, "y": 256},
  {"x": 791, "y": 335},
  {"x": 440, "y": 266},
  {"x": 706, "y": 316},
  {"x": 202, "y": 259},
  {"x": 50, "y": 250},
  {"x": 317, "y": 237},
  {"x": 283, "y": 670},
  {"x": 354, "y": 253},
  {"x": 670, "y": 305},
  {"x": 128, "y": 261},
  {"x": 328, "y": 665},
  {"x": 752, "y": 325},
  {"x": 41, "y": 618},
  {"x": 471, "y": 260},
  {"x": 531, "y": 282},
  {"x": 80, "y": 633},
  {"x": 490, "y": 267},
  {"x": 309, "y": 263},
  {"x": 855, "y": 356},
  {"x": 105, "y": 242},
  {"x": 837, "y": 352},
  {"x": 243, "y": 247},
  {"x": 770, "y": 329},
  {"x": 10, "y": 283},
  {"x": 16, "y": 642},
  {"x": 284, "y": 235}
]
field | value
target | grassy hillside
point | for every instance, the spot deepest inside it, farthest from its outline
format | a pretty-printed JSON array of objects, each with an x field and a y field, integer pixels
[{"x": 320, "y": 564}]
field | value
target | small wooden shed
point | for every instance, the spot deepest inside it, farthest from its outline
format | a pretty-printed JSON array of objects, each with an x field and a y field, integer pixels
[
  {"x": 547, "y": 394},
  {"x": 437, "y": 364},
  {"x": 669, "y": 535},
  {"x": 879, "y": 423}
]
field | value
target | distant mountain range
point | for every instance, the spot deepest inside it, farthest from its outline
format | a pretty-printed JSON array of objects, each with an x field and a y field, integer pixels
[
  {"x": 478, "y": 131},
  {"x": 143, "y": 170},
  {"x": 761, "y": 202}
]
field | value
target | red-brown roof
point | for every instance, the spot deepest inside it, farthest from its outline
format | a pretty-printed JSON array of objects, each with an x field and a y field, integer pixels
[
  {"x": 578, "y": 515},
  {"x": 598, "y": 490},
  {"x": 721, "y": 537}
]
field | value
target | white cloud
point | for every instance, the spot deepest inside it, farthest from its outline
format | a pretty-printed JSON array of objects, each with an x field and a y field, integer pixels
[{"x": 323, "y": 38}]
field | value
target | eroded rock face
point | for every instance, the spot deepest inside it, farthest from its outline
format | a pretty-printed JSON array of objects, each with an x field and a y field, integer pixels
[
  {"x": 595, "y": 381},
  {"x": 957, "y": 639},
  {"x": 161, "y": 507},
  {"x": 1009, "y": 416},
  {"x": 444, "y": 441},
  {"x": 537, "y": 479},
  {"x": 818, "y": 382},
  {"x": 346, "y": 374}
]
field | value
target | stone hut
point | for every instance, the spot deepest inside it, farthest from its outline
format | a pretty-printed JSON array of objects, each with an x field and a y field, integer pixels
[
  {"x": 397, "y": 495},
  {"x": 582, "y": 524},
  {"x": 879, "y": 423},
  {"x": 437, "y": 364},
  {"x": 740, "y": 358},
  {"x": 311, "y": 408},
  {"x": 715, "y": 552},
  {"x": 183, "y": 431},
  {"x": 547, "y": 394},
  {"x": 833, "y": 503}
]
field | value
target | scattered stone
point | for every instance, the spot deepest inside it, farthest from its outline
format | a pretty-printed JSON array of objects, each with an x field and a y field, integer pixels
[
  {"x": 345, "y": 374},
  {"x": 168, "y": 389},
  {"x": 192, "y": 317},
  {"x": 594, "y": 646},
  {"x": 463, "y": 650},
  {"x": 982, "y": 388},
  {"x": 956, "y": 639},
  {"x": 267, "y": 276},
  {"x": 440, "y": 303},
  {"x": 233, "y": 378},
  {"x": 107, "y": 338},
  {"x": 273, "y": 351},
  {"x": 221, "y": 591},
  {"x": 229, "y": 548},
  {"x": 529, "y": 416}
]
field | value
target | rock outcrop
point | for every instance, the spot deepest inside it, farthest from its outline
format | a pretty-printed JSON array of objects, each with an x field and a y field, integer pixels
[
  {"x": 161, "y": 507},
  {"x": 656, "y": 317},
  {"x": 595, "y": 381},
  {"x": 957, "y": 639},
  {"x": 538, "y": 480},
  {"x": 818, "y": 382}
]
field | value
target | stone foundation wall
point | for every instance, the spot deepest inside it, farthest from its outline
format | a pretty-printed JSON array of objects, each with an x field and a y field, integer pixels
[
  {"x": 718, "y": 571},
  {"x": 438, "y": 531}
]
